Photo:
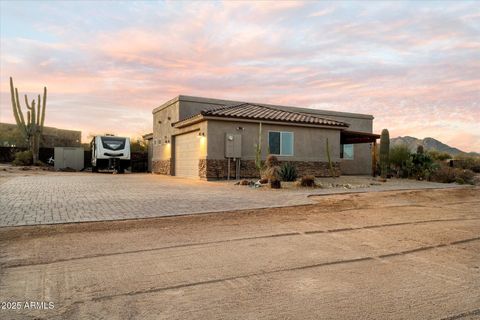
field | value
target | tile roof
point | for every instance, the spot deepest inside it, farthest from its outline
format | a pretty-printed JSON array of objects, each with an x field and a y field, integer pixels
[{"x": 265, "y": 113}]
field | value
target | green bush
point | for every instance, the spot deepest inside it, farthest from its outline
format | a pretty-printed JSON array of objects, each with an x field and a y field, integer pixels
[
  {"x": 288, "y": 172},
  {"x": 465, "y": 161},
  {"x": 438, "y": 155},
  {"x": 23, "y": 158},
  {"x": 422, "y": 166},
  {"x": 399, "y": 160}
]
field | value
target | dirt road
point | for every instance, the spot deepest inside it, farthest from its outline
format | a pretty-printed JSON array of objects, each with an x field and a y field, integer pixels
[{"x": 391, "y": 255}]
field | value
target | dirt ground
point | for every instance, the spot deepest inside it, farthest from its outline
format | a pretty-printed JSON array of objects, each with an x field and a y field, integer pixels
[{"x": 386, "y": 255}]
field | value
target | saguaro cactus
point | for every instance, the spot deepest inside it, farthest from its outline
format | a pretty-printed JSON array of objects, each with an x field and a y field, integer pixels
[
  {"x": 384, "y": 153},
  {"x": 33, "y": 127}
]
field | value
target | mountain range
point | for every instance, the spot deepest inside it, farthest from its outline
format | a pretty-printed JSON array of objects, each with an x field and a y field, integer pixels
[{"x": 428, "y": 144}]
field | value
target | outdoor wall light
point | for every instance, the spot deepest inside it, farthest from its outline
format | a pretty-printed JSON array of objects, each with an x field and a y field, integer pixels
[{"x": 241, "y": 128}]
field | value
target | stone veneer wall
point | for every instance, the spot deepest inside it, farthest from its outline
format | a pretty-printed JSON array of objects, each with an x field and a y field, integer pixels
[
  {"x": 162, "y": 166},
  {"x": 218, "y": 169}
]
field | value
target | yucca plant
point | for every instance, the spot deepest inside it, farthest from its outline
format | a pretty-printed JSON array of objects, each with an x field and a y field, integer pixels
[{"x": 288, "y": 172}]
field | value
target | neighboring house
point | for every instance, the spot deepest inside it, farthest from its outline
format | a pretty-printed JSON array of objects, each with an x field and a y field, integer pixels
[
  {"x": 51, "y": 137},
  {"x": 209, "y": 138}
]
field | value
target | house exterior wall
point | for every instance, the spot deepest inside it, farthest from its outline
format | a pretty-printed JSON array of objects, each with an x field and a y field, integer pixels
[
  {"x": 162, "y": 132},
  {"x": 309, "y": 154},
  {"x": 309, "y": 143},
  {"x": 361, "y": 164}
]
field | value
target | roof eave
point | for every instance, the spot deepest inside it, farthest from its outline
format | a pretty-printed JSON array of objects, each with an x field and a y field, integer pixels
[{"x": 200, "y": 118}]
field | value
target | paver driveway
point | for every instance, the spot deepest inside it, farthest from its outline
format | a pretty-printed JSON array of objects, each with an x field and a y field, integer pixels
[{"x": 76, "y": 197}]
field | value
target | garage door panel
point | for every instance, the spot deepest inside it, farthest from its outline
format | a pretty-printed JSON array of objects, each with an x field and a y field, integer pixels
[{"x": 187, "y": 151}]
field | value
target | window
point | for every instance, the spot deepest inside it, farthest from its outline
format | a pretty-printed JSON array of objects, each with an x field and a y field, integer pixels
[
  {"x": 346, "y": 151},
  {"x": 280, "y": 143}
]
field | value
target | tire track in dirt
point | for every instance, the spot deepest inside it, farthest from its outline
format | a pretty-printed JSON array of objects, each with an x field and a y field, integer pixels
[
  {"x": 291, "y": 269},
  {"x": 475, "y": 312},
  {"x": 278, "y": 235}
]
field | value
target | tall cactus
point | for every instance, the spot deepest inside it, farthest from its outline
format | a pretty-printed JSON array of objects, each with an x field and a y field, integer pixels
[
  {"x": 419, "y": 149},
  {"x": 33, "y": 128},
  {"x": 330, "y": 165},
  {"x": 384, "y": 153}
]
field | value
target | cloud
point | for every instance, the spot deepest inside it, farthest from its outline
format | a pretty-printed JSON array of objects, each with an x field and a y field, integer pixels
[{"x": 406, "y": 63}]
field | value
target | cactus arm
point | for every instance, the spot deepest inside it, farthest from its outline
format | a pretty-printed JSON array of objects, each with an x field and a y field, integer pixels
[
  {"x": 14, "y": 103},
  {"x": 34, "y": 116},
  {"x": 330, "y": 166},
  {"x": 26, "y": 103},
  {"x": 38, "y": 112},
  {"x": 20, "y": 113},
  {"x": 42, "y": 120}
]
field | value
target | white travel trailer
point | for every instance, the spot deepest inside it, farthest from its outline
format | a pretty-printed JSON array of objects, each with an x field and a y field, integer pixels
[{"x": 110, "y": 153}]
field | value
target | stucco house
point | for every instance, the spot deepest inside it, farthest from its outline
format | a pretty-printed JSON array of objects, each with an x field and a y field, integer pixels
[{"x": 210, "y": 138}]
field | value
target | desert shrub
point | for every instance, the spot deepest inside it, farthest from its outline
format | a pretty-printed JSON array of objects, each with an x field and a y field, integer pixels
[
  {"x": 463, "y": 176},
  {"x": 288, "y": 172},
  {"x": 23, "y": 158},
  {"x": 438, "y": 155},
  {"x": 307, "y": 181},
  {"x": 271, "y": 161},
  {"x": 399, "y": 160},
  {"x": 422, "y": 166},
  {"x": 465, "y": 161},
  {"x": 271, "y": 173},
  {"x": 443, "y": 174}
]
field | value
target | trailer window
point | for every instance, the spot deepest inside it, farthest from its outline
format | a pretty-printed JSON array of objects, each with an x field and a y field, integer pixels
[{"x": 113, "y": 143}]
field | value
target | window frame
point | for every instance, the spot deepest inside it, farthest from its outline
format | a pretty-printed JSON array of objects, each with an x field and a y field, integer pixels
[
  {"x": 342, "y": 152},
  {"x": 281, "y": 151}
]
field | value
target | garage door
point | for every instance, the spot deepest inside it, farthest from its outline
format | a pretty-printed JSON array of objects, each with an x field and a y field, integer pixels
[{"x": 187, "y": 150}]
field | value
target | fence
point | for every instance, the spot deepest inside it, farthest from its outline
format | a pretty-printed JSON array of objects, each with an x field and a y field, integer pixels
[{"x": 138, "y": 162}]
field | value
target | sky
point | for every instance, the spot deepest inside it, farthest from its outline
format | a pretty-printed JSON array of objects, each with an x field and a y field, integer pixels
[{"x": 415, "y": 65}]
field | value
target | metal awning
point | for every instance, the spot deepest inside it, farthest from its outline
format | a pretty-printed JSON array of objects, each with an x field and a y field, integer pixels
[{"x": 351, "y": 137}]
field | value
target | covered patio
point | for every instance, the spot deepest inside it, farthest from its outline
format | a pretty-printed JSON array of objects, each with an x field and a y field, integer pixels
[{"x": 356, "y": 137}]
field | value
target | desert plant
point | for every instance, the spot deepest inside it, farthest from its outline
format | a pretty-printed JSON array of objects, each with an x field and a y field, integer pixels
[
  {"x": 384, "y": 153},
  {"x": 330, "y": 165},
  {"x": 420, "y": 149},
  {"x": 271, "y": 161},
  {"x": 466, "y": 161},
  {"x": 288, "y": 172},
  {"x": 271, "y": 173},
  {"x": 258, "y": 151},
  {"x": 33, "y": 127},
  {"x": 438, "y": 155},
  {"x": 444, "y": 174},
  {"x": 307, "y": 181},
  {"x": 422, "y": 166},
  {"x": 399, "y": 156},
  {"x": 464, "y": 176},
  {"x": 275, "y": 184},
  {"x": 23, "y": 158}
]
